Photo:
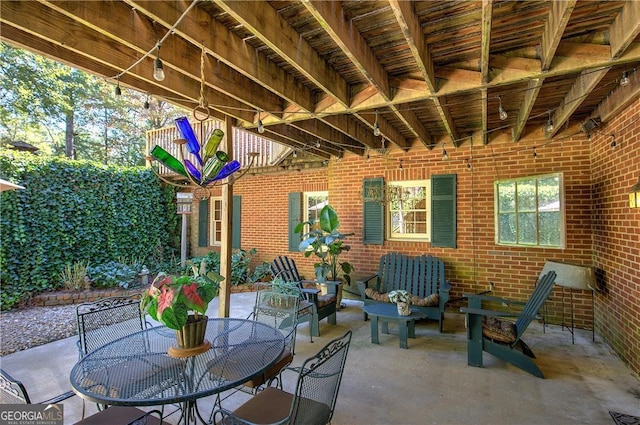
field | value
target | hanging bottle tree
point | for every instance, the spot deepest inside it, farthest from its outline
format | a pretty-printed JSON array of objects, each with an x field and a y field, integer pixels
[{"x": 206, "y": 166}]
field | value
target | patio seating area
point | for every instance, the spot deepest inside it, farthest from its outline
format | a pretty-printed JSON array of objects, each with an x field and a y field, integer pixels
[{"x": 584, "y": 381}]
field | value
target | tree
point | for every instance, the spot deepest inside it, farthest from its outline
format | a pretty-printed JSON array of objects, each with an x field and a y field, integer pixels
[{"x": 67, "y": 111}]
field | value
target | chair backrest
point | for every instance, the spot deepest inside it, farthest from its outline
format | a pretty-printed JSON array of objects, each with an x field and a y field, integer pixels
[
  {"x": 106, "y": 320},
  {"x": 278, "y": 310},
  {"x": 285, "y": 267},
  {"x": 536, "y": 300},
  {"x": 319, "y": 382},
  {"x": 419, "y": 275},
  {"x": 12, "y": 391}
]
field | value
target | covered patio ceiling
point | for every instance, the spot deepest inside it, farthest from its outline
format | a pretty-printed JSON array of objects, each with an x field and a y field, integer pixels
[{"x": 321, "y": 75}]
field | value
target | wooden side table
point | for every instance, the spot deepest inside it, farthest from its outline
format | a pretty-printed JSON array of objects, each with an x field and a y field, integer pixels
[{"x": 386, "y": 313}]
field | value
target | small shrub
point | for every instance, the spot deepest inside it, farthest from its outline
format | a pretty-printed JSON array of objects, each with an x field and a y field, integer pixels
[
  {"x": 74, "y": 276},
  {"x": 113, "y": 274},
  {"x": 260, "y": 273}
]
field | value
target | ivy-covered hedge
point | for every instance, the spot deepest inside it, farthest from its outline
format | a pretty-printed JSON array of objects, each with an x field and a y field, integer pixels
[{"x": 77, "y": 211}]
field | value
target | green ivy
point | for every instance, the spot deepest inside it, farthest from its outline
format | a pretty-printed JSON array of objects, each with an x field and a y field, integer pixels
[{"x": 77, "y": 211}]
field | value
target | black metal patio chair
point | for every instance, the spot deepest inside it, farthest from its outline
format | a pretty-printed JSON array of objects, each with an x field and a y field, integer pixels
[
  {"x": 313, "y": 400},
  {"x": 13, "y": 391}
]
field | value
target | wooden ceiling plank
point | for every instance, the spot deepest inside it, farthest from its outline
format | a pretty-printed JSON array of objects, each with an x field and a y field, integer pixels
[
  {"x": 530, "y": 96},
  {"x": 580, "y": 89},
  {"x": 265, "y": 23},
  {"x": 198, "y": 27},
  {"x": 487, "y": 12},
  {"x": 625, "y": 28},
  {"x": 64, "y": 32},
  {"x": 485, "y": 125},
  {"x": 619, "y": 99},
  {"x": 559, "y": 15},
  {"x": 410, "y": 27},
  {"x": 333, "y": 21}
]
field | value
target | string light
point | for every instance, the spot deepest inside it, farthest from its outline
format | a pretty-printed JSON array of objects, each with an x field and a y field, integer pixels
[
  {"x": 400, "y": 165},
  {"x": 468, "y": 164},
  {"x": 294, "y": 154},
  {"x": 445, "y": 156},
  {"x": 158, "y": 71},
  {"x": 624, "y": 80},
  {"x": 613, "y": 142},
  {"x": 260, "y": 125},
  {"x": 376, "y": 127},
  {"x": 550, "y": 125},
  {"x": 146, "y": 102},
  {"x": 368, "y": 156},
  {"x": 535, "y": 154},
  {"x": 317, "y": 144},
  {"x": 501, "y": 111},
  {"x": 118, "y": 90}
]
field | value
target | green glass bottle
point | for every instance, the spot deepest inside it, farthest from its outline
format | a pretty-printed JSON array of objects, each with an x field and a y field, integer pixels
[
  {"x": 212, "y": 144},
  {"x": 214, "y": 165},
  {"x": 168, "y": 160}
]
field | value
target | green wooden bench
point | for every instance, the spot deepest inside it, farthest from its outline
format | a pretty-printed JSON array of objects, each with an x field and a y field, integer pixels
[{"x": 422, "y": 276}]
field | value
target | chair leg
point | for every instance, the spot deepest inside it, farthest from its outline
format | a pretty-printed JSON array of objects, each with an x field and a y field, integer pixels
[{"x": 474, "y": 340}]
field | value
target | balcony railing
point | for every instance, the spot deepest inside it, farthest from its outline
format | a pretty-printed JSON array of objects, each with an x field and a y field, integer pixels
[{"x": 244, "y": 142}]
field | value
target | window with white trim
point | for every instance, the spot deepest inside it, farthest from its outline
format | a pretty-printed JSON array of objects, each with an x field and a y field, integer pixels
[
  {"x": 409, "y": 210},
  {"x": 215, "y": 223},
  {"x": 313, "y": 202},
  {"x": 530, "y": 211}
]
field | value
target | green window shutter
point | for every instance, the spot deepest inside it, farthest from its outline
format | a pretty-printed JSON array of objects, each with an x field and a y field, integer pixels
[
  {"x": 203, "y": 223},
  {"x": 373, "y": 211},
  {"x": 443, "y": 210},
  {"x": 236, "y": 223},
  {"x": 295, "y": 217}
]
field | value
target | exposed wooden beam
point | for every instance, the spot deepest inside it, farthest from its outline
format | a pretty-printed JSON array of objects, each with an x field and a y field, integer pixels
[
  {"x": 625, "y": 28},
  {"x": 410, "y": 27},
  {"x": 487, "y": 12},
  {"x": 619, "y": 99},
  {"x": 559, "y": 15},
  {"x": 530, "y": 96},
  {"x": 582, "y": 86},
  {"x": 265, "y": 23}
]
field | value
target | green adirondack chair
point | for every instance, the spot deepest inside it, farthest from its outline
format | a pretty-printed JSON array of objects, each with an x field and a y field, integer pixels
[{"x": 502, "y": 338}]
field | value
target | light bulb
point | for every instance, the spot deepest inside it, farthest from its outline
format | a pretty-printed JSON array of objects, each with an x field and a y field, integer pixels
[
  {"x": 445, "y": 156},
  {"x": 503, "y": 113},
  {"x": 260, "y": 127},
  {"x": 376, "y": 129},
  {"x": 624, "y": 80},
  {"x": 158, "y": 72},
  {"x": 550, "y": 126},
  {"x": 118, "y": 90}
]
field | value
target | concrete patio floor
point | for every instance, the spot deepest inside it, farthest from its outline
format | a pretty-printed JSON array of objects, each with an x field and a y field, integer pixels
[{"x": 429, "y": 383}]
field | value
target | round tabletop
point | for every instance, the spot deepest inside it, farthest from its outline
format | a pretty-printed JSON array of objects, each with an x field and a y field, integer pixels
[{"x": 136, "y": 370}]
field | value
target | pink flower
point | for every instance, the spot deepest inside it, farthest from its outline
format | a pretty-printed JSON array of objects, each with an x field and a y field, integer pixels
[{"x": 165, "y": 300}]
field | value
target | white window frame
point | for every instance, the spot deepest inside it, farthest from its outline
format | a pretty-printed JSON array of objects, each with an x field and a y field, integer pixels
[
  {"x": 215, "y": 225},
  {"x": 561, "y": 210},
  {"x": 305, "y": 203},
  {"x": 422, "y": 237}
]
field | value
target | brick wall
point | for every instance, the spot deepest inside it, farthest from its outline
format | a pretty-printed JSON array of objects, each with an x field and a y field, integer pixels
[
  {"x": 477, "y": 259},
  {"x": 616, "y": 235}
]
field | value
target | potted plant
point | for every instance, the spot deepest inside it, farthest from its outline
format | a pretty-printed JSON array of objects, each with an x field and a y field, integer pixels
[
  {"x": 402, "y": 299},
  {"x": 180, "y": 303},
  {"x": 325, "y": 242}
]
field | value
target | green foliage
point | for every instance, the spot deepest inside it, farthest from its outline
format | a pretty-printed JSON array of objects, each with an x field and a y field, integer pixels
[
  {"x": 76, "y": 211},
  {"x": 74, "y": 276},
  {"x": 240, "y": 260},
  {"x": 326, "y": 243},
  {"x": 113, "y": 274},
  {"x": 260, "y": 272}
]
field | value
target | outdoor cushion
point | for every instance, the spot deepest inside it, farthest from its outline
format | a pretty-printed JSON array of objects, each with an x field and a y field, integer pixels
[
  {"x": 375, "y": 295},
  {"x": 499, "y": 330},
  {"x": 429, "y": 301},
  {"x": 326, "y": 300}
]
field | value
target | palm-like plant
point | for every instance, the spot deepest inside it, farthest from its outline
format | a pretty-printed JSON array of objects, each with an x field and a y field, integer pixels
[{"x": 326, "y": 243}]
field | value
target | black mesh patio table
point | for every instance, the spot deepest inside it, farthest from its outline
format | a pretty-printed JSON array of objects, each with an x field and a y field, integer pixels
[{"x": 137, "y": 371}]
